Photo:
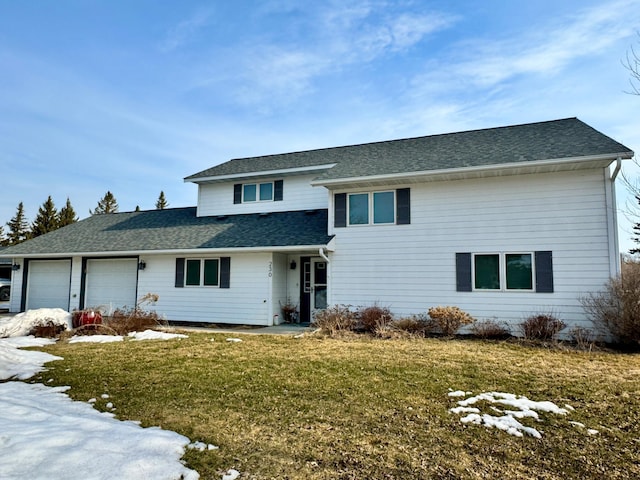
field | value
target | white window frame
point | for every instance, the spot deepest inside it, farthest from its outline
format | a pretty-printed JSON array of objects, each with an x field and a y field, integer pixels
[
  {"x": 370, "y": 207},
  {"x": 257, "y": 185},
  {"x": 202, "y": 263},
  {"x": 502, "y": 271}
]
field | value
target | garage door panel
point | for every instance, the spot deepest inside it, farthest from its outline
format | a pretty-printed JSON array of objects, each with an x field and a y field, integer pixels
[
  {"x": 111, "y": 283},
  {"x": 49, "y": 284}
]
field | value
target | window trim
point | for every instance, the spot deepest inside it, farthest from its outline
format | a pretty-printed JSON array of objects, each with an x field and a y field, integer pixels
[
  {"x": 502, "y": 271},
  {"x": 370, "y": 208},
  {"x": 258, "y": 185},
  {"x": 202, "y": 272}
]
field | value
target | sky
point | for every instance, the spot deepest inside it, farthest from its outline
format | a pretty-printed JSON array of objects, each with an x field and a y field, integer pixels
[{"x": 133, "y": 96}]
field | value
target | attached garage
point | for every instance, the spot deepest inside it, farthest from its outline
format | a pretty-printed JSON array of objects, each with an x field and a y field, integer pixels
[
  {"x": 111, "y": 283},
  {"x": 48, "y": 284}
]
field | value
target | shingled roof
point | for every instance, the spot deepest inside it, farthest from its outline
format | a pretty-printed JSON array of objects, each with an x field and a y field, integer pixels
[
  {"x": 179, "y": 229},
  {"x": 556, "y": 139}
]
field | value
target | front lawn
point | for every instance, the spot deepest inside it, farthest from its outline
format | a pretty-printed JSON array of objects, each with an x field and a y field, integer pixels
[{"x": 279, "y": 407}]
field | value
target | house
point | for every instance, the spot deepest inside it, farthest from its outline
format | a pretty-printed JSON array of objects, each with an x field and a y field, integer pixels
[{"x": 501, "y": 222}]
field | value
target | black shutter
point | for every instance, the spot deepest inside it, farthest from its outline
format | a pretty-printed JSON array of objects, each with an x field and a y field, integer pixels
[
  {"x": 225, "y": 272},
  {"x": 544, "y": 272},
  {"x": 179, "y": 272},
  {"x": 237, "y": 193},
  {"x": 340, "y": 210},
  {"x": 463, "y": 272},
  {"x": 403, "y": 206},
  {"x": 278, "y": 190}
]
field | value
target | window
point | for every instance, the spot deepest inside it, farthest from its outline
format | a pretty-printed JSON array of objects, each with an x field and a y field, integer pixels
[
  {"x": 381, "y": 204},
  {"x": 202, "y": 272},
  {"x": 258, "y": 192},
  {"x": 252, "y": 192},
  {"x": 508, "y": 271}
]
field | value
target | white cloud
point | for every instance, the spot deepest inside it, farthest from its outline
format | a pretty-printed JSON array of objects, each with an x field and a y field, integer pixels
[{"x": 185, "y": 31}]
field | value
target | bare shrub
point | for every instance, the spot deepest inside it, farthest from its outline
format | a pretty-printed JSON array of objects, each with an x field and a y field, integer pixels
[
  {"x": 335, "y": 319},
  {"x": 616, "y": 309},
  {"x": 491, "y": 330},
  {"x": 450, "y": 319},
  {"x": 125, "y": 320},
  {"x": 374, "y": 318},
  {"x": 584, "y": 338},
  {"x": 541, "y": 326},
  {"x": 419, "y": 325},
  {"x": 47, "y": 329}
]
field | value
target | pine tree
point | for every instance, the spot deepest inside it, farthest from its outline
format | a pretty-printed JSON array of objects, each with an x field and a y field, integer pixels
[
  {"x": 18, "y": 227},
  {"x": 47, "y": 219},
  {"x": 67, "y": 215},
  {"x": 137, "y": 208},
  {"x": 4, "y": 241},
  {"x": 107, "y": 204},
  {"x": 161, "y": 204}
]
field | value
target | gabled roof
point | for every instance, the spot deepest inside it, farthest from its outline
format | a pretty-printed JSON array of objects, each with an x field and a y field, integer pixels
[
  {"x": 518, "y": 144},
  {"x": 179, "y": 229}
]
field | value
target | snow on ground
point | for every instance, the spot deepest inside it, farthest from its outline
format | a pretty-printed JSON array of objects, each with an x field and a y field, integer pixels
[
  {"x": 508, "y": 420},
  {"x": 154, "y": 335},
  {"x": 22, "y": 364},
  {"x": 21, "y": 324},
  {"x": 96, "y": 338},
  {"x": 46, "y": 435}
]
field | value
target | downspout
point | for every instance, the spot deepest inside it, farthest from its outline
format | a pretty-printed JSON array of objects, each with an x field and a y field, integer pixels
[
  {"x": 323, "y": 255},
  {"x": 614, "y": 249}
]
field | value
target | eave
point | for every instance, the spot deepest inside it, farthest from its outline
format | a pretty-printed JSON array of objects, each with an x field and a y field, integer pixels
[
  {"x": 475, "y": 172},
  {"x": 260, "y": 174}
]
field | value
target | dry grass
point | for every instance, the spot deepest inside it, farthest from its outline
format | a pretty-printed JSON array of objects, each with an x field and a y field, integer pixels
[{"x": 324, "y": 408}]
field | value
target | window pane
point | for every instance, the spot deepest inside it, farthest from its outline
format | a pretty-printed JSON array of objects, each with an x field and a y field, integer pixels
[
  {"x": 383, "y": 207},
  {"x": 266, "y": 191},
  {"x": 211, "y": 272},
  {"x": 519, "y": 271},
  {"x": 487, "y": 272},
  {"x": 193, "y": 272},
  {"x": 359, "y": 209},
  {"x": 249, "y": 192}
]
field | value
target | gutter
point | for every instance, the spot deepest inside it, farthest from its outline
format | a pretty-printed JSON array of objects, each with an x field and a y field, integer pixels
[
  {"x": 323, "y": 255},
  {"x": 617, "y": 169}
]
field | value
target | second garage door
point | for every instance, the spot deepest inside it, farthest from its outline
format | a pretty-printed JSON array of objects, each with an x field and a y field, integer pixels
[{"x": 111, "y": 283}]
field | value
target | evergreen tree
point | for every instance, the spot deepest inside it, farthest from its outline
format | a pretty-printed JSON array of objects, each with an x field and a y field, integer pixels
[
  {"x": 18, "y": 227},
  {"x": 47, "y": 219},
  {"x": 137, "y": 208},
  {"x": 107, "y": 204},
  {"x": 4, "y": 241},
  {"x": 161, "y": 204},
  {"x": 67, "y": 215}
]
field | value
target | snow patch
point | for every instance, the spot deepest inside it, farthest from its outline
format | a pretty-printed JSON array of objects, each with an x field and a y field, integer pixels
[
  {"x": 155, "y": 335},
  {"x": 231, "y": 474},
  {"x": 22, "y": 324},
  {"x": 234, "y": 340},
  {"x": 95, "y": 338},
  {"x": 23, "y": 364}
]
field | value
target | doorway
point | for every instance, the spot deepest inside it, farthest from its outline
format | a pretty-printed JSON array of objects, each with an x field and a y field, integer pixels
[{"x": 313, "y": 286}]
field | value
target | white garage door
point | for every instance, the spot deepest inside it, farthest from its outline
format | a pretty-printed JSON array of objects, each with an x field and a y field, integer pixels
[
  {"x": 49, "y": 284},
  {"x": 111, "y": 283}
]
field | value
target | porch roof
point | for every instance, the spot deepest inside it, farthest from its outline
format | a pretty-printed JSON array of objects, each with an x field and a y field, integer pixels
[{"x": 179, "y": 229}]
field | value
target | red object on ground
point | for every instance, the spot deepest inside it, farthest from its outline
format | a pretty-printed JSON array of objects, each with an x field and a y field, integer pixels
[{"x": 90, "y": 318}]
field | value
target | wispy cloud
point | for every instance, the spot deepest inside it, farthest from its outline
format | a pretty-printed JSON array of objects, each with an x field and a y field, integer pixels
[{"x": 185, "y": 31}]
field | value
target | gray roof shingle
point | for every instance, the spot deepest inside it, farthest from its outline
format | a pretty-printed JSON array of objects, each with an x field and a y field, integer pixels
[
  {"x": 179, "y": 229},
  {"x": 556, "y": 139}
]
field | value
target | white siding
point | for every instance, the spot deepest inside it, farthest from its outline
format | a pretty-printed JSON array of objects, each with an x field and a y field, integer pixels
[
  {"x": 298, "y": 194},
  {"x": 412, "y": 267},
  {"x": 245, "y": 302}
]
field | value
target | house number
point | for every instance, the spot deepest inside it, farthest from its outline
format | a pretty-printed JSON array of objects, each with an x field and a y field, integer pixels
[{"x": 270, "y": 269}]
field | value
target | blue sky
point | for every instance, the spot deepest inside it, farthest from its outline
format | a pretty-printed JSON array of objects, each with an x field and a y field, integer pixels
[{"x": 132, "y": 96}]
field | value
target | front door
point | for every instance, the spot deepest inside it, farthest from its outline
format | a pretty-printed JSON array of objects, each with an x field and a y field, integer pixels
[{"x": 313, "y": 286}]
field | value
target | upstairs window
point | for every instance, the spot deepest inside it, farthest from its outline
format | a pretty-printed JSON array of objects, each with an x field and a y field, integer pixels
[
  {"x": 372, "y": 208},
  {"x": 258, "y": 192}
]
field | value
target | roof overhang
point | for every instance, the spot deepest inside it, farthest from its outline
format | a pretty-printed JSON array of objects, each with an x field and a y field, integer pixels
[
  {"x": 330, "y": 246},
  {"x": 483, "y": 171},
  {"x": 260, "y": 174}
]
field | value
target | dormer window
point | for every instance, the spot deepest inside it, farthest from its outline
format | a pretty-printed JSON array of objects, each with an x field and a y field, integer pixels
[{"x": 257, "y": 192}]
